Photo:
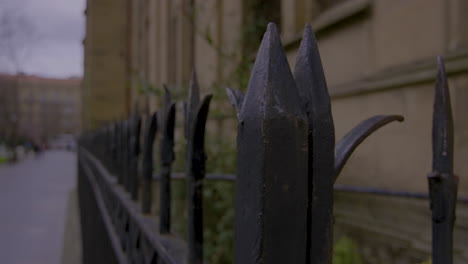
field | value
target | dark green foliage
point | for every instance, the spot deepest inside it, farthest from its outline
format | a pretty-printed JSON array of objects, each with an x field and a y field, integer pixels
[
  {"x": 218, "y": 195},
  {"x": 218, "y": 221},
  {"x": 179, "y": 212},
  {"x": 346, "y": 252}
]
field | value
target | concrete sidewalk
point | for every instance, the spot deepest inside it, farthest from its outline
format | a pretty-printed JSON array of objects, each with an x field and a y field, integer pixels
[{"x": 33, "y": 202}]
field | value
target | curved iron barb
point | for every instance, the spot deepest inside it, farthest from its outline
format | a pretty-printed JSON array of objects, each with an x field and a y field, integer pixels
[
  {"x": 151, "y": 128},
  {"x": 443, "y": 184},
  {"x": 195, "y": 113},
  {"x": 346, "y": 146},
  {"x": 166, "y": 157}
]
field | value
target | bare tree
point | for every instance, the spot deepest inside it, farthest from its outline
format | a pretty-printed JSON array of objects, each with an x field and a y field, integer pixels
[{"x": 17, "y": 36}]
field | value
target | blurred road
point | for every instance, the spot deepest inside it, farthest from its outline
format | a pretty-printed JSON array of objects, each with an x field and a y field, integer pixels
[{"x": 33, "y": 199}]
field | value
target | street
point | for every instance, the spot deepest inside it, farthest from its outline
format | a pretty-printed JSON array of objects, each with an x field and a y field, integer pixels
[{"x": 33, "y": 201}]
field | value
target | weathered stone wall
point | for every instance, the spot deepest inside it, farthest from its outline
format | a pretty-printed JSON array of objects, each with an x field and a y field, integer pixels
[
  {"x": 380, "y": 58},
  {"x": 389, "y": 229},
  {"x": 106, "y": 51}
]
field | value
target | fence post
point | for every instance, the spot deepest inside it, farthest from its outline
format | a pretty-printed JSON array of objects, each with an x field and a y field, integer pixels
[
  {"x": 128, "y": 154},
  {"x": 167, "y": 118},
  {"x": 196, "y": 113},
  {"x": 122, "y": 149},
  {"x": 270, "y": 222},
  {"x": 442, "y": 181},
  {"x": 135, "y": 129},
  {"x": 114, "y": 149},
  {"x": 151, "y": 127}
]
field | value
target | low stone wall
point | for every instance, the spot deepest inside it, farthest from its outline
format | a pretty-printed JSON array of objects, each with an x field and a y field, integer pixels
[{"x": 387, "y": 229}]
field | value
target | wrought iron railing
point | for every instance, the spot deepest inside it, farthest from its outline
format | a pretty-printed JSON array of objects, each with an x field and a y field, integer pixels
[{"x": 287, "y": 165}]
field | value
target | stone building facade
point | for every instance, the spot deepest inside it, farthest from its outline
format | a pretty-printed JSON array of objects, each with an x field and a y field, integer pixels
[
  {"x": 378, "y": 56},
  {"x": 8, "y": 106}
]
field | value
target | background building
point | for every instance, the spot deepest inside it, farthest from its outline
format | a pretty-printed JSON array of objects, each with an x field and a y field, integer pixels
[
  {"x": 38, "y": 109},
  {"x": 8, "y": 107}
]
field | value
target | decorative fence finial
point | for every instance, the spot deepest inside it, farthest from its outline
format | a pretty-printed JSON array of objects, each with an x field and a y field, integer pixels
[
  {"x": 443, "y": 183},
  {"x": 190, "y": 106},
  {"x": 196, "y": 114},
  {"x": 273, "y": 118},
  {"x": 271, "y": 187}
]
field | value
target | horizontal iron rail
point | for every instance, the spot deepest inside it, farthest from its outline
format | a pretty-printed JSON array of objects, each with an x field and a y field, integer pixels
[
  {"x": 136, "y": 216},
  {"x": 113, "y": 237},
  {"x": 337, "y": 187},
  {"x": 383, "y": 192},
  {"x": 209, "y": 176}
]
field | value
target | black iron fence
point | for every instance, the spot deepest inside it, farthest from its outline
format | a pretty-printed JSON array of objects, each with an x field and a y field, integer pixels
[{"x": 287, "y": 164}]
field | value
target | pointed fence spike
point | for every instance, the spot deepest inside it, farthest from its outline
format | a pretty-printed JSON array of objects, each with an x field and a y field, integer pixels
[
  {"x": 346, "y": 146},
  {"x": 310, "y": 77},
  {"x": 271, "y": 64},
  {"x": 442, "y": 126},
  {"x": 236, "y": 98},
  {"x": 192, "y": 102},
  {"x": 271, "y": 179},
  {"x": 195, "y": 166},
  {"x": 443, "y": 184},
  {"x": 313, "y": 92},
  {"x": 194, "y": 92},
  {"x": 167, "y": 96}
]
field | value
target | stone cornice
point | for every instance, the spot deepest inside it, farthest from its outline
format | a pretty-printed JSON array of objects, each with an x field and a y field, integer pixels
[
  {"x": 331, "y": 17},
  {"x": 405, "y": 75}
]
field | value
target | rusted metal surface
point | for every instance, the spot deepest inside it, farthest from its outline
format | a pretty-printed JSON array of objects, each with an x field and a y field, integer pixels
[{"x": 442, "y": 182}]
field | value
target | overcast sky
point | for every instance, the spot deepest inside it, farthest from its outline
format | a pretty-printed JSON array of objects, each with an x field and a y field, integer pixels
[{"x": 55, "y": 46}]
